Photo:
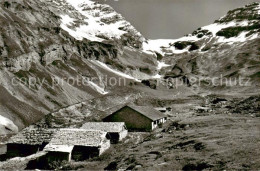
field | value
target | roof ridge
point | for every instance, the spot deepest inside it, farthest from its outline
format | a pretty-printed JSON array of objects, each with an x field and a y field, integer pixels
[{"x": 149, "y": 112}]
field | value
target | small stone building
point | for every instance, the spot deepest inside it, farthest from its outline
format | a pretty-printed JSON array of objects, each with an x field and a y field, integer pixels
[
  {"x": 137, "y": 118},
  {"x": 116, "y": 131},
  {"x": 29, "y": 141},
  {"x": 76, "y": 144}
]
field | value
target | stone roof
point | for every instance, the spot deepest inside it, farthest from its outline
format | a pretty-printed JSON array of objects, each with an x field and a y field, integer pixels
[
  {"x": 105, "y": 126},
  {"x": 147, "y": 111},
  {"x": 115, "y": 108},
  {"x": 32, "y": 136},
  {"x": 78, "y": 137}
]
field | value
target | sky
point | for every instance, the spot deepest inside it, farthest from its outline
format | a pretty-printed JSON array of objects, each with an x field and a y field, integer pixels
[{"x": 170, "y": 19}]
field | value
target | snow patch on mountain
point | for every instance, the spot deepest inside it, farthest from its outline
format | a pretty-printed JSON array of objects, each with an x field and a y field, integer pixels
[
  {"x": 258, "y": 8},
  {"x": 159, "y": 67},
  {"x": 166, "y": 46},
  {"x": 104, "y": 66},
  {"x": 98, "y": 22},
  {"x": 67, "y": 20},
  {"x": 77, "y": 3},
  {"x": 157, "y": 76},
  {"x": 240, "y": 38},
  {"x": 162, "y": 65},
  {"x": 216, "y": 27},
  {"x": 7, "y": 124},
  {"x": 97, "y": 88},
  {"x": 160, "y": 44},
  {"x": 80, "y": 32},
  {"x": 156, "y": 45}
]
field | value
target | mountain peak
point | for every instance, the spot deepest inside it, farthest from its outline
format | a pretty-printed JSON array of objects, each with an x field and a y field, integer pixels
[
  {"x": 249, "y": 12},
  {"x": 238, "y": 26},
  {"x": 96, "y": 22}
]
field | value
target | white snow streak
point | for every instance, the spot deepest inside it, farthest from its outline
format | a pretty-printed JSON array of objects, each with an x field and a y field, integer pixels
[
  {"x": 97, "y": 88},
  {"x": 115, "y": 71},
  {"x": 162, "y": 65},
  {"x": 157, "y": 76},
  {"x": 8, "y": 123}
]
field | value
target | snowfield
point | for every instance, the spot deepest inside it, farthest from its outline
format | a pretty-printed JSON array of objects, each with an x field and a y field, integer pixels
[
  {"x": 216, "y": 27},
  {"x": 92, "y": 28},
  {"x": 240, "y": 38},
  {"x": 156, "y": 45},
  {"x": 164, "y": 46},
  {"x": 161, "y": 45}
]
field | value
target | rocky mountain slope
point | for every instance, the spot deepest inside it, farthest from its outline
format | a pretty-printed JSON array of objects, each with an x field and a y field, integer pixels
[
  {"x": 227, "y": 49},
  {"x": 194, "y": 60},
  {"x": 57, "y": 60},
  {"x": 44, "y": 43},
  {"x": 57, "y": 54},
  {"x": 237, "y": 26}
]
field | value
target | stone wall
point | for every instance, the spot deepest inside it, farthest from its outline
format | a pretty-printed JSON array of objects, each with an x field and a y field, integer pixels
[
  {"x": 105, "y": 146},
  {"x": 123, "y": 134}
]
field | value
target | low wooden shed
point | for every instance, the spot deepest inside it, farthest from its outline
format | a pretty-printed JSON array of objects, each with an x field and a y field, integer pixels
[
  {"x": 116, "y": 131},
  {"x": 137, "y": 118}
]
